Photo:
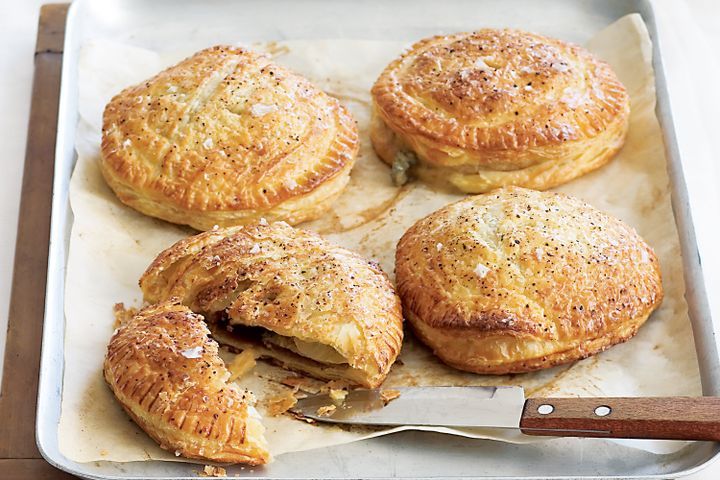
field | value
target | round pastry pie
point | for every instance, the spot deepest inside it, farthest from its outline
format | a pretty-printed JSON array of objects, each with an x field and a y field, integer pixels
[
  {"x": 289, "y": 295},
  {"x": 518, "y": 280},
  {"x": 226, "y": 137},
  {"x": 477, "y": 111},
  {"x": 167, "y": 375}
]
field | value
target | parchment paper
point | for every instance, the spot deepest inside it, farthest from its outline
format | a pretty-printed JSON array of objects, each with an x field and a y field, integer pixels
[{"x": 111, "y": 245}]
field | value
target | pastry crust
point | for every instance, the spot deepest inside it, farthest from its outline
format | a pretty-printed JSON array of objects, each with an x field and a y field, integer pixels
[
  {"x": 321, "y": 309},
  {"x": 167, "y": 375},
  {"x": 518, "y": 280},
  {"x": 498, "y": 107},
  {"x": 226, "y": 137}
]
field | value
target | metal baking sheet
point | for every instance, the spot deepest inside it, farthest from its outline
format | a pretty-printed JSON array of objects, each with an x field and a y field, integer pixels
[{"x": 404, "y": 455}]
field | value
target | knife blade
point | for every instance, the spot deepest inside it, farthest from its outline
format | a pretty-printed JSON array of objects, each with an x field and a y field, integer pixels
[
  {"x": 499, "y": 407},
  {"x": 672, "y": 418}
]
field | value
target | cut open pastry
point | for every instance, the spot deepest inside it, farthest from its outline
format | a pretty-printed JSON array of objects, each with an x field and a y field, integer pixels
[
  {"x": 289, "y": 295},
  {"x": 477, "y": 111},
  {"x": 518, "y": 280},
  {"x": 166, "y": 373},
  {"x": 226, "y": 137}
]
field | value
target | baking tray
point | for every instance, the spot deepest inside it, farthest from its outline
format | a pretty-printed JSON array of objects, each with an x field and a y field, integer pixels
[{"x": 404, "y": 455}]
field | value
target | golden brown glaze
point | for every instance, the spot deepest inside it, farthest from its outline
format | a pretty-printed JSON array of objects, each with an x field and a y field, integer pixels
[
  {"x": 225, "y": 137},
  {"x": 499, "y": 107},
  {"x": 167, "y": 375},
  {"x": 518, "y": 280},
  {"x": 324, "y": 310}
]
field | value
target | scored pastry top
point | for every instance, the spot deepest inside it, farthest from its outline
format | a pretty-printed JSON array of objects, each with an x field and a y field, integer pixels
[
  {"x": 498, "y": 89},
  {"x": 223, "y": 130}
]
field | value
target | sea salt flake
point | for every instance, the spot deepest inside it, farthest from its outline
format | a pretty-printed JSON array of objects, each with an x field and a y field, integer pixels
[
  {"x": 255, "y": 248},
  {"x": 645, "y": 257},
  {"x": 439, "y": 247},
  {"x": 538, "y": 253},
  {"x": 260, "y": 109},
  {"x": 172, "y": 89},
  {"x": 480, "y": 63},
  {"x": 127, "y": 142},
  {"x": 194, "y": 352},
  {"x": 263, "y": 222},
  {"x": 527, "y": 88},
  {"x": 481, "y": 270},
  {"x": 208, "y": 143}
]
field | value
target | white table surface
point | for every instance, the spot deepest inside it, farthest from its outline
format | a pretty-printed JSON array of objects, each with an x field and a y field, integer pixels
[{"x": 691, "y": 32}]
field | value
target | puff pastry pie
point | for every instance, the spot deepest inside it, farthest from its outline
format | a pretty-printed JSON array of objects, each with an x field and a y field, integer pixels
[
  {"x": 167, "y": 375},
  {"x": 477, "y": 111},
  {"x": 290, "y": 295},
  {"x": 518, "y": 280},
  {"x": 225, "y": 137}
]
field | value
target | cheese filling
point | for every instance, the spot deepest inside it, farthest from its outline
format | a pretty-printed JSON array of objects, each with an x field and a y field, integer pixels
[{"x": 312, "y": 350}]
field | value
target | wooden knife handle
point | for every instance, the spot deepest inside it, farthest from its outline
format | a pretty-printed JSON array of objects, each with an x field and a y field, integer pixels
[{"x": 676, "y": 418}]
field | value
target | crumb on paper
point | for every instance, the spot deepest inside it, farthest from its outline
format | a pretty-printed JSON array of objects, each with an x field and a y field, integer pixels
[
  {"x": 301, "y": 417},
  {"x": 303, "y": 384},
  {"x": 337, "y": 395},
  {"x": 388, "y": 396},
  {"x": 326, "y": 410},
  {"x": 242, "y": 364},
  {"x": 122, "y": 314},
  {"x": 279, "y": 404},
  {"x": 213, "y": 471}
]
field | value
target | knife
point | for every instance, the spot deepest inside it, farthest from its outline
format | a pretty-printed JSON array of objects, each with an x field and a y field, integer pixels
[{"x": 676, "y": 418}]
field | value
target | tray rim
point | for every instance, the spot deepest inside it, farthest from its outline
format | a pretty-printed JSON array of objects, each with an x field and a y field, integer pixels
[{"x": 696, "y": 294}]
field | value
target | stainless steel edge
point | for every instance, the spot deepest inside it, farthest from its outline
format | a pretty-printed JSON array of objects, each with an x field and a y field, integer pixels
[
  {"x": 705, "y": 336},
  {"x": 52, "y": 359},
  {"x": 51, "y": 371}
]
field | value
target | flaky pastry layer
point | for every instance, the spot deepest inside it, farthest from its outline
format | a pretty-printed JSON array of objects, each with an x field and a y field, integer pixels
[
  {"x": 166, "y": 373},
  {"x": 290, "y": 282}
]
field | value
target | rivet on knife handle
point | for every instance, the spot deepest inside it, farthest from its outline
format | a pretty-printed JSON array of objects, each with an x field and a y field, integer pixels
[{"x": 673, "y": 418}]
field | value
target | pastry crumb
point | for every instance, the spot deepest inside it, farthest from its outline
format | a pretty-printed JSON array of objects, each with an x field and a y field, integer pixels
[
  {"x": 303, "y": 384},
  {"x": 122, "y": 314},
  {"x": 213, "y": 471},
  {"x": 388, "y": 396},
  {"x": 280, "y": 404},
  {"x": 299, "y": 416},
  {"x": 338, "y": 395},
  {"x": 242, "y": 364},
  {"x": 334, "y": 385},
  {"x": 326, "y": 411}
]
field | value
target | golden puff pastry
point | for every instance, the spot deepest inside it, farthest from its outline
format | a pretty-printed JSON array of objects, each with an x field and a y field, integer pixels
[
  {"x": 477, "y": 111},
  {"x": 226, "y": 137},
  {"x": 518, "y": 280},
  {"x": 288, "y": 294},
  {"x": 167, "y": 375}
]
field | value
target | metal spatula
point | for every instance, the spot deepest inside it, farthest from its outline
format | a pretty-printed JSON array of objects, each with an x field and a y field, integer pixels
[{"x": 677, "y": 418}]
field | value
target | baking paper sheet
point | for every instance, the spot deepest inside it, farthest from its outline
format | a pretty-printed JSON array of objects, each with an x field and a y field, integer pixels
[{"x": 111, "y": 245}]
